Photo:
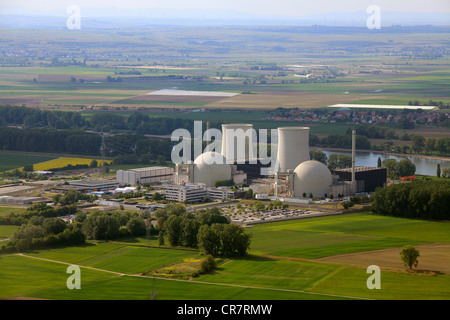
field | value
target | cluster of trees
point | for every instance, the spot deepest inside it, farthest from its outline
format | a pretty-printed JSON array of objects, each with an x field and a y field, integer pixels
[
  {"x": 105, "y": 226},
  {"x": 422, "y": 199},
  {"x": 431, "y": 145},
  {"x": 374, "y": 132},
  {"x": 72, "y": 197},
  {"x": 41, "y": 233},
  {"x": 207, "y": 230},
  {"x": 37, "y": 209},
  {"x": 333, "y": 161},
  {"x": 223, "y": 240},
  {"x": 343, "y": 141},
  {"x": 41, "y": 227},
  {"x": 445, "y": 173},
  {"x": 129, "y": 195},
  {"x": 396, "y": 169}
]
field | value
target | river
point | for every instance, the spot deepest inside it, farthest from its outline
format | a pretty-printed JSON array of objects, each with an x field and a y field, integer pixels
[{"x": 423, "y": 165}]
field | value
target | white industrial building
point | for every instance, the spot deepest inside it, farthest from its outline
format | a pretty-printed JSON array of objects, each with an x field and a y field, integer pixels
[
  {"x": 140, "y": 176},
  {"x": 195, "y": 192}
]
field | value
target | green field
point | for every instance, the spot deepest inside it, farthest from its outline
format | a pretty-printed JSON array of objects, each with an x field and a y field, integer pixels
[
  {"x": 9, "y": 160},
  {"x": 7, "y": 231},
  {"x": 322, "y": 237},
  {"x": 282, "y": 265}
]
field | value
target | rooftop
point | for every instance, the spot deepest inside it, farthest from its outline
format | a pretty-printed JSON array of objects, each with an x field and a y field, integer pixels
[
  {"x": 147, "y": 169},
  {"x": 358, "y": 169},
  {"x": 92, "y": 182}
]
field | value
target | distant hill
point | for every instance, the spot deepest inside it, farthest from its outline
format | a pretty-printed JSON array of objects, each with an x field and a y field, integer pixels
[{"x": 16, "y": 16}]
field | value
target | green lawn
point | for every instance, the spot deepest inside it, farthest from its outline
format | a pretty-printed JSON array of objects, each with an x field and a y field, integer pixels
[
  {"x": 117, "y": 257},
  {"x": 326, "y": 236},
  {"x": 7, "y": 231}
]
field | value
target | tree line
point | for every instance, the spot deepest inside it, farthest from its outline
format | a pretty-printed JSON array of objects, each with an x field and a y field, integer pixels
[
  {"x": 431, "y": 145},
  {"x": 334, "y": 161},
  {"x": 342, "y": 141},
  {"x": 142, "y": 148},
  {"x": 138, "y": 122},
  {"x": 422, "y": 199},
  {"x": 50, "y": 140}
]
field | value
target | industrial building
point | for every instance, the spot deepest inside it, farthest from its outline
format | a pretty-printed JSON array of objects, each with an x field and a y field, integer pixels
[
  {"x": 93, "y": 185},
  {"x": 367, "y": 178},
  {"x": 22, "y": 200},
  {"x": 140, "y": 176},
  {"x": 195, "y": 192}
]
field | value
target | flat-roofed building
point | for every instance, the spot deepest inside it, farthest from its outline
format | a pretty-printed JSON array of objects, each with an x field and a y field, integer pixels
[
  {"x": 195, "y": 192},
  {"x": 93, "y": 185},
  {"x": 139, "y": 176},
  {"x": 367, "y": 178},
  {"x": 21, "y": 200}
]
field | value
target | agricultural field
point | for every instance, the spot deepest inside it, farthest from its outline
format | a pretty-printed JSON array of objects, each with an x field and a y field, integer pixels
[
  {"x": 264, "y": 68},
  {"x": 319, "y": 258},
  {"x": 13, "y": 160},
  {"x": 65, "y": 161}
]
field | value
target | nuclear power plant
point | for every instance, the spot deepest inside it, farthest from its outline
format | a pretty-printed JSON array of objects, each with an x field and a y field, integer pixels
[{"x": 293, "y": 176}]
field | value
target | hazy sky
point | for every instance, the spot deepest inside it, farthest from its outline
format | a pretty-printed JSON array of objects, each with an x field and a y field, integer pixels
[{"x": 263, "y": 7}]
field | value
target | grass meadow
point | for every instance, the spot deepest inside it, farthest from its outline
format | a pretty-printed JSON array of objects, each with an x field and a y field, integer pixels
[{"x": 284, "y": 263}]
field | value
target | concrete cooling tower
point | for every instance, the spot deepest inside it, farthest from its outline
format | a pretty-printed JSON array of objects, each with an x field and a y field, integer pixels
[
  {"x": 293, "y": 147},
  {"x": 242, "y": 138}
]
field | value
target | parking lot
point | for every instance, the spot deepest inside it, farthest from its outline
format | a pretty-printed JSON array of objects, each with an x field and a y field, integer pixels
[{"x": 248, "y": 216}]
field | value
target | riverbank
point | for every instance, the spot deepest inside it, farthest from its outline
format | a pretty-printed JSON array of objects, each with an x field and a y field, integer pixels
[{"x": 384, "y": 153}]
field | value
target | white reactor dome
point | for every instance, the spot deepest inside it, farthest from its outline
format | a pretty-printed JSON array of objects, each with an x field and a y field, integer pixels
[
  {"x": 210, "y": 167},
  {"x": 312, "y": 177}
]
